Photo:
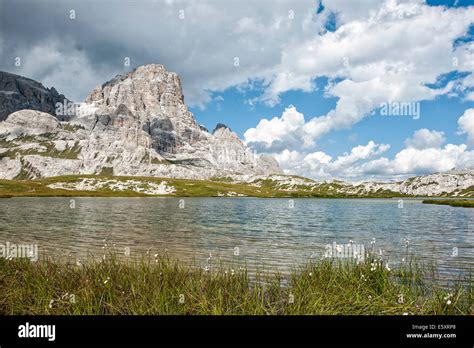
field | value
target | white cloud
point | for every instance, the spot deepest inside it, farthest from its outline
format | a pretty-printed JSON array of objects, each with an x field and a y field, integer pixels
[
  {"x": 320, "y": 165},
  {"x": 290, "y": 161},
  {"x": 362, "y": 163},
  {"x": 424, "y": 138},
  {"x": 278, "y": 133},
  {"x": 423, "y": 154},
  {"x": 466, "y": 125},
  {"x": 422, "y": 161},
  {"x": 286, "y": 132},
  {"x": 377, "y": 59},
  {"x": 470, "y": 96}
]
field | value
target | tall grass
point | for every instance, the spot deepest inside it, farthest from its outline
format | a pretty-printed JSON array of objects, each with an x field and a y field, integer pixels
[{"x": 162, "y": 286}]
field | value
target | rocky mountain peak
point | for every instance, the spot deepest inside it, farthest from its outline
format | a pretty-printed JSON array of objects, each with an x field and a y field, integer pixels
[
  {"x": 135, "y": 124},
  {"x": 219, "y": 126},
  {"x": 147, "y": 88},
  {"x": 226, "y": 134},
  {"x": 21, "y": 93}
]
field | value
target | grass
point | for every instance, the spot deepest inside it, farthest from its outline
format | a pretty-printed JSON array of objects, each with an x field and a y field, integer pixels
[
  {"x": 451, "y": 202},
  {"x": 69, "y": 153},
  {"x": 47, "y": 149},
  {"x": 72, "y": 127},
  {"x": 163, "y": 286},
  {"x": 22, "y": 186}
]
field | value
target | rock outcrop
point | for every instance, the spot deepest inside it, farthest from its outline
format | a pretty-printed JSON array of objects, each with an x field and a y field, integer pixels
[
  {"x": 20, "y": 93},
  {"x": 134, "y": 124},
  {"x": 30, "y": 122},
  {"x": 455, "y": 183}
]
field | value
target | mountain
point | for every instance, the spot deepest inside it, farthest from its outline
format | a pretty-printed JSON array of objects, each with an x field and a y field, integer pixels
[
  {"x": 136, "y": 124},
  {"x": 20, "y": 93},
  {"x": 456, "y": 183}
]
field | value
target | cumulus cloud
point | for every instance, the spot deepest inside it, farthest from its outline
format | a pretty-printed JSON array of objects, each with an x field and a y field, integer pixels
[
  {"x": 424, "y": 138},
  {"x": 466, "y": 125},
  {"x": 364, "y": 162},
  {"x": 290, "y": 160},
  {"x": 277, "y": 134},
  {"x": 319, "y": 164},
  {"x": 424, "y": 153},
  {"x": 360, "y": 57},
  {"x": 411, "y": 161}
]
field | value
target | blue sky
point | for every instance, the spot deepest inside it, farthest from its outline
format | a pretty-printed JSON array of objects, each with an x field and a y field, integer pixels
[{"x": 305, "y": 81}]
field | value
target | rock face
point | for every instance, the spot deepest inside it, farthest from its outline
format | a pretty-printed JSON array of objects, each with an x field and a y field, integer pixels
[
  {"x": 154, "y": 97},
  {"x": 20, "y": 93},
  {"x": 455, "y": 183},
  {"x": 134, "y": 124}
]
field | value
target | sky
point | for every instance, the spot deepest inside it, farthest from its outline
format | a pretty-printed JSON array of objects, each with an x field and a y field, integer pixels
[{"x": 368, "y": 90}]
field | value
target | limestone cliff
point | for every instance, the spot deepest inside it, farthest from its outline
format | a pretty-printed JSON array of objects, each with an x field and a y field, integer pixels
[{"x": 134, "y": 124}]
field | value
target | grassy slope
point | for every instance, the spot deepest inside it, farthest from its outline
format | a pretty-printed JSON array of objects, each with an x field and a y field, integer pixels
[
  {"x": 184, "y": 188},
  {"x": 148, "y": 286},
  {"x": 452, "y": 202}
]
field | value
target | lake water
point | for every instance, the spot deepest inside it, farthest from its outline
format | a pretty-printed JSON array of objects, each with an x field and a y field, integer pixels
[{"x": 264, "y": 233}]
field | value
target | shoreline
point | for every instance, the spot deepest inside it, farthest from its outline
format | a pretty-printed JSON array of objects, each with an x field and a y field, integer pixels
[{"x": 127, "y": 186}]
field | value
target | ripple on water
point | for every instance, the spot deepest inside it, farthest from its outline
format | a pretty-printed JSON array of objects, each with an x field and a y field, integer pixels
[{"x": 266, "y": 232}]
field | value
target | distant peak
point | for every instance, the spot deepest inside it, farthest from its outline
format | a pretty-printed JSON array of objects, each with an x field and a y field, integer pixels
[{"x": 219, "y": 126}]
